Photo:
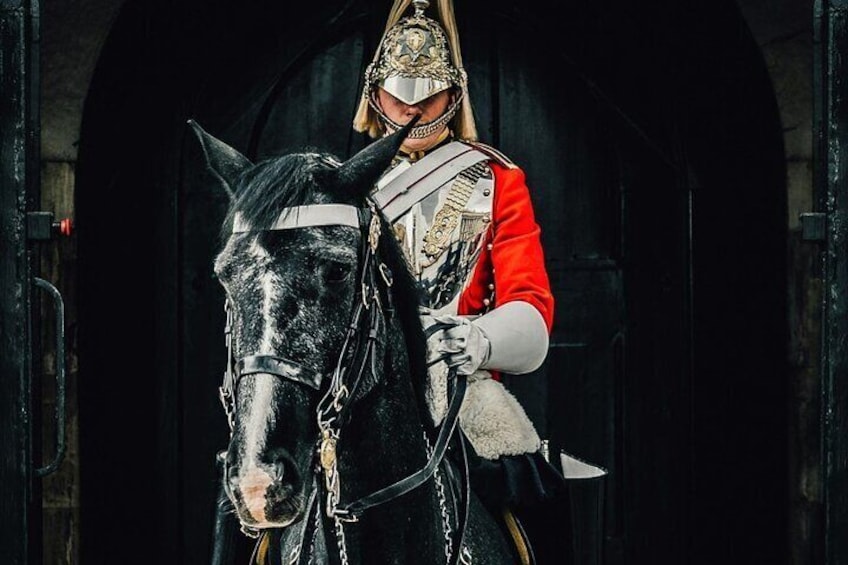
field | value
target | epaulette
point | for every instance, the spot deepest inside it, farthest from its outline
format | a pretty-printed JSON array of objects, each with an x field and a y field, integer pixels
[{"x": 496, "y": 155}]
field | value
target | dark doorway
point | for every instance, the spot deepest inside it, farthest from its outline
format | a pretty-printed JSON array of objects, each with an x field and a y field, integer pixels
[{"x": 652, "y": 145}]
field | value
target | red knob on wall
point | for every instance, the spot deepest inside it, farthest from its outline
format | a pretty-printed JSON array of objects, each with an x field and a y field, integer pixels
[{"x": 65, "y": 226}]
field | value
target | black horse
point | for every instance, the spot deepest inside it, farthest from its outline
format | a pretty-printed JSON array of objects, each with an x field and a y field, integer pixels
[{"x": 333, "y": 457}]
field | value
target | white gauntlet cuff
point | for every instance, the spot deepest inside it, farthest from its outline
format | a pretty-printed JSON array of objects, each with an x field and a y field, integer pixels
[{"x": 518, "y": 338}]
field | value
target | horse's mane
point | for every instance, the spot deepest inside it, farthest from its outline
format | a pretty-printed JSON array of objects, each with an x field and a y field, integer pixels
[{"x": 276, "y": 183}]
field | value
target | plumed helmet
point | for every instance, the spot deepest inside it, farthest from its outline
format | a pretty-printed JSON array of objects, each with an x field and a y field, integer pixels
[{"x": 416, "y": 59}]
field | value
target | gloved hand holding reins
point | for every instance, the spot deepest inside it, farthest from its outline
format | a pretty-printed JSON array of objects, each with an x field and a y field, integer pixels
[{"x": 512, "y": 338}]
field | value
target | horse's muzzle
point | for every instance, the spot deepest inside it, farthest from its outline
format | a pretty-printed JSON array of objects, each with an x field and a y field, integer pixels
[{"x": 265, "y": 495}]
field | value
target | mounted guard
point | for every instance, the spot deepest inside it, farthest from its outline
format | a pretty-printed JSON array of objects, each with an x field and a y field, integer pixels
[{"x": 462, "y": 213}]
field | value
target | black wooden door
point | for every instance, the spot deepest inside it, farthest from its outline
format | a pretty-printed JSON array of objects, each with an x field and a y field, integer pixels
[{"x": 652, "y": 146}]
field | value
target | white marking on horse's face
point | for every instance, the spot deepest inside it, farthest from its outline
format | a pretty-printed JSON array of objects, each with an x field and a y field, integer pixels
[
  {"x": 270, "y": 295},
  {"x": 271, "y": 287},
  {"x": 259, "y": 420},
  {"x": 254, "y": 482},
  {"x": 239, "y": 222}
]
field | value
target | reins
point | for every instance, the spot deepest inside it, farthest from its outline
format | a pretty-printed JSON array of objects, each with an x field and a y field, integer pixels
[{"x": 358, "y": 353}]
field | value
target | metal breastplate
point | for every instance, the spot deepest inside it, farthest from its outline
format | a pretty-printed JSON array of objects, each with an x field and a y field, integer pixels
[{"x": 443, "y": 234}]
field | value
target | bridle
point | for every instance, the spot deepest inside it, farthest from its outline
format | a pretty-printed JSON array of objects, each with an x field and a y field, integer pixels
[{"x": 358, "y": 353}]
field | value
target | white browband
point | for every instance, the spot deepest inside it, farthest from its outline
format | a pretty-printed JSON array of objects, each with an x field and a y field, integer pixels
[{"x": 310, "y": 216}]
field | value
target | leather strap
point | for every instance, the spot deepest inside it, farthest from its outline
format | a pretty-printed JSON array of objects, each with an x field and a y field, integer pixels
[
  {"x": 304, "y": 552},
  {"x": 418, "y": 478},
  {"x": 422, "y": 168},
  {"x": 425, "y": 177},
  {"x": 259, "y": 555},
  {"x": 278, "y": 367}
]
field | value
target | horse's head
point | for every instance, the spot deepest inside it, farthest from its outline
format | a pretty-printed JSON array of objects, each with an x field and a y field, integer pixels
[{"x": 291, "y": 271}]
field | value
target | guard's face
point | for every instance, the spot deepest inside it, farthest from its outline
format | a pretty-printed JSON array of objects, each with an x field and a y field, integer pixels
[
  {"x": 430, "y": 109},
  {"x": 400, "y": 112}
]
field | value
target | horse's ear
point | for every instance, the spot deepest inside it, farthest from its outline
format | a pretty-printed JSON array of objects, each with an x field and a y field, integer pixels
[
  {"x": 361, "y": 171},
  {"x": 224, "y": 162}
]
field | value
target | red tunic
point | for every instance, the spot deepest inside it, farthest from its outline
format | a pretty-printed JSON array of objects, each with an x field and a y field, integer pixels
[{"x": 511, "y": 264}]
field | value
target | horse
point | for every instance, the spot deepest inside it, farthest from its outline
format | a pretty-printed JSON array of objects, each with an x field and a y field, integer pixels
[{"x": 333, "y": 456}]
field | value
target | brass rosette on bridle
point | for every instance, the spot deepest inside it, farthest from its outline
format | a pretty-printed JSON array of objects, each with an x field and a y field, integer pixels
[{"x": 414, "y": 63}]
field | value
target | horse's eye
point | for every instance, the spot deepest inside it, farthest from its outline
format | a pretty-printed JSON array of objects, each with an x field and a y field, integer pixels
[{"x": 335, "y": 272}]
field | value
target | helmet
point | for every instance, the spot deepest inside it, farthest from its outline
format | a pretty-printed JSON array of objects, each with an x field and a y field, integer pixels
[{"x": 415, "y": 60}]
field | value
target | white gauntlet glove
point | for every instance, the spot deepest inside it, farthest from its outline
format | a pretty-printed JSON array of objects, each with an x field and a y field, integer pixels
[
  {"x": 511, "y": 338},
  {"x": 463, "y": 345}
]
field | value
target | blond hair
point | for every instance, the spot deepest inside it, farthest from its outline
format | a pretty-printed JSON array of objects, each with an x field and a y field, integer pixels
[{"x": 462, "y": 124}]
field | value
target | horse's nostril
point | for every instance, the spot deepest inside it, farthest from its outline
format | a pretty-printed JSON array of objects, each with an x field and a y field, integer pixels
[
  {"x": 280, "y": 465},
  {"x": 279, "y": 471},
  {"x": 232, "y": 479}
]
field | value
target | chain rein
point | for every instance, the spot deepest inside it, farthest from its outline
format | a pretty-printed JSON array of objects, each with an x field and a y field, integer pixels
[{"x": 333, "y": 405}]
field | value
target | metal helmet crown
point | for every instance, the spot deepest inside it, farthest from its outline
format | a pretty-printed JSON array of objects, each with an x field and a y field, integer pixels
[{"x": 414, "y": 59}]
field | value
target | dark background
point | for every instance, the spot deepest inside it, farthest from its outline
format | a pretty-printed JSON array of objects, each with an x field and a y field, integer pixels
[{"x": 655, "y": 158}]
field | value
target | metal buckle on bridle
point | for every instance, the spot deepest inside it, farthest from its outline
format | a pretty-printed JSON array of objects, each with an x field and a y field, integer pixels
[
  {"x": 365, "y": 302},
  {"x": 386, "y": 273},
  {"x": 339, "y": 397},
  {"x": 345, "y": 516},
  {"x": 374, "y": 228}
]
